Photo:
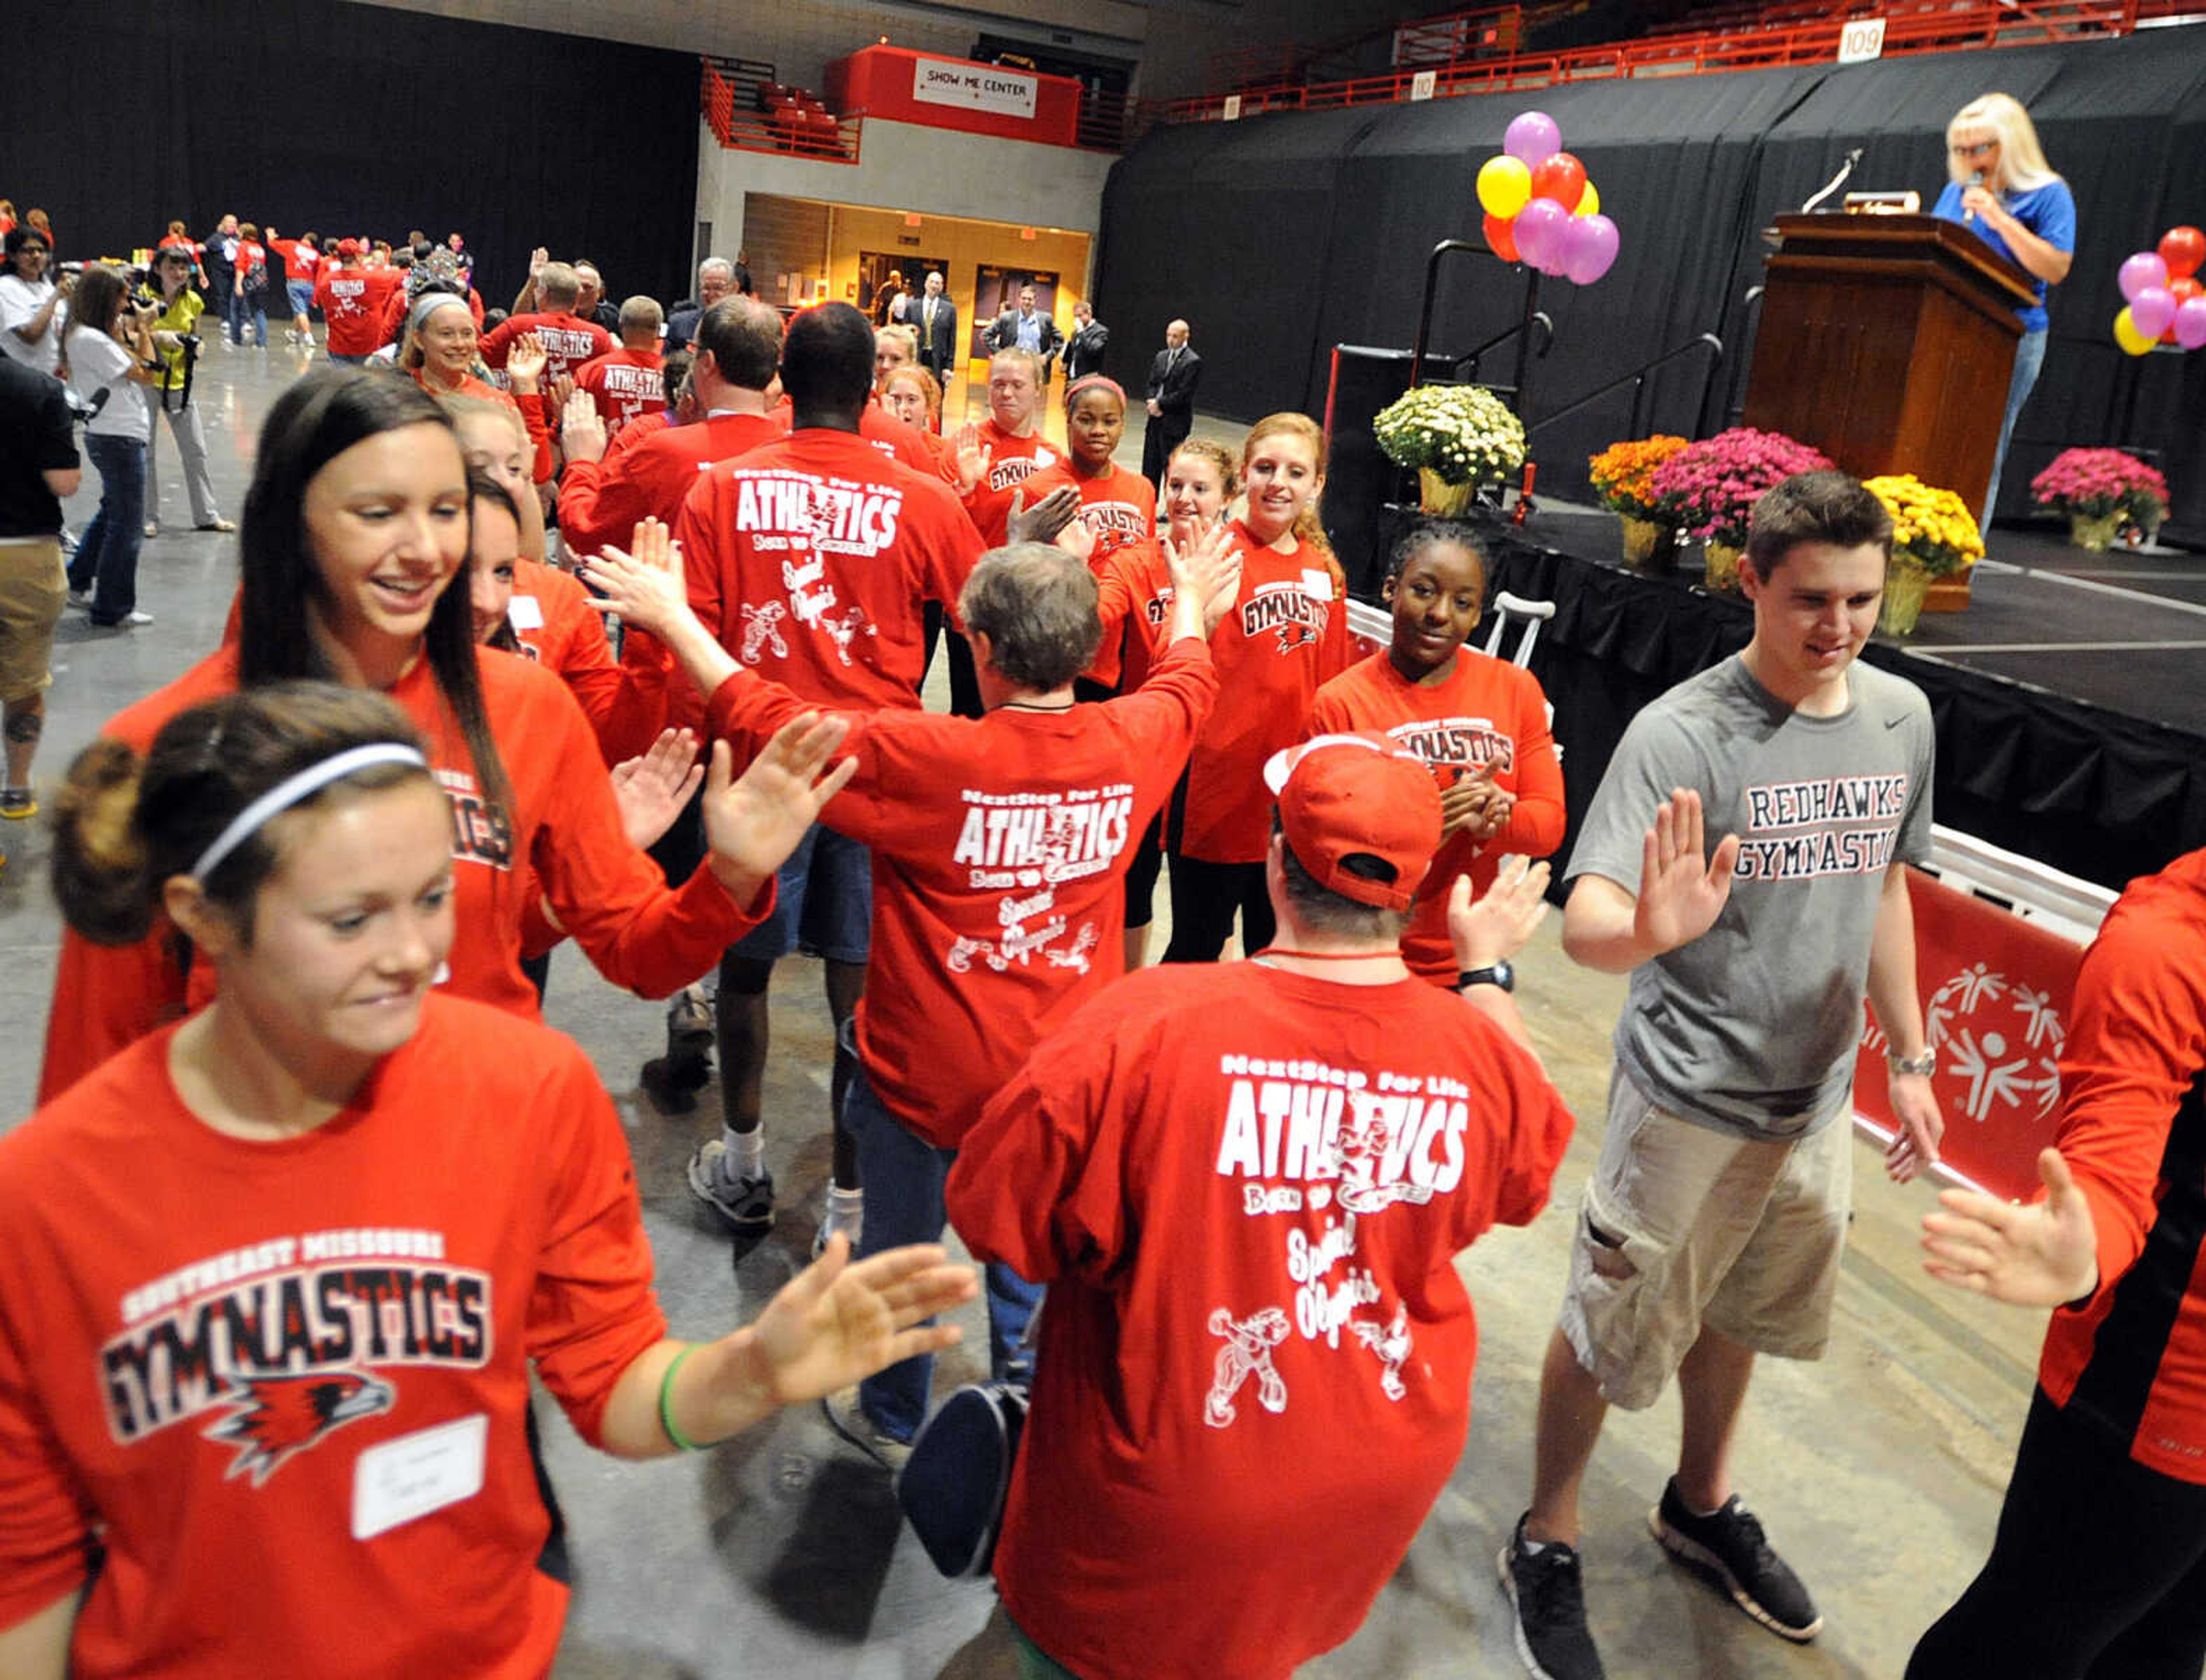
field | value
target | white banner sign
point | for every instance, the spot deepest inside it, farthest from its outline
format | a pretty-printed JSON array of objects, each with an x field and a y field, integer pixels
[
  {"x": 1232, "y": 112},
  {"x": 1862, "y": 39},
  {"x": 1424, "y": 84},
  {"x": 974, "y": 86}
]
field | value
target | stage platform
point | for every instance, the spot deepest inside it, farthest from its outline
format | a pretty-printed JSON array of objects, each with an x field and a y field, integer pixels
[{"x": 2072, "y": 717}]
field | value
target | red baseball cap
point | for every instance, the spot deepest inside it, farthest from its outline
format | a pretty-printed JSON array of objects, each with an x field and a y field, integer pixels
[
  {"x": 348, "y": 248},
  {"x": 1342, "y": 795}
]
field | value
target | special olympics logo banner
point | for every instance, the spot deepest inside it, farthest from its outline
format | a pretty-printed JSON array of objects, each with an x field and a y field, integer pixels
[{"x": 1996, "y": 991}]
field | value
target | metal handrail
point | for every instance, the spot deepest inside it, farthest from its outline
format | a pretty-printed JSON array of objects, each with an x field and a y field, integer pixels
[
  {"x": 1638, "y": 380},
  {"x": 1532, "y": 317}
]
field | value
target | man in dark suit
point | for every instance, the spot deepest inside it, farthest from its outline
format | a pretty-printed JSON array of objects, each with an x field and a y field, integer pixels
[
  {"x": 1026, "y": 328},
  {"x": 934, "y": 317},
  {"x": 1173, "y": 376},
  {"x": 1083, "y": 351}
]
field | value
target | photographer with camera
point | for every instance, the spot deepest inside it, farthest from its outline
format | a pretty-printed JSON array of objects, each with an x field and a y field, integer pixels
[
  {"x": 176, "y": 342},
  {"x": 31, "y": 306},
  {"x": 106, "y": 348}
]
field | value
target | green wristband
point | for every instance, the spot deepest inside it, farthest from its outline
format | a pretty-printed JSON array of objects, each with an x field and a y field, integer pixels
[{"x": 666, "y": 1402}]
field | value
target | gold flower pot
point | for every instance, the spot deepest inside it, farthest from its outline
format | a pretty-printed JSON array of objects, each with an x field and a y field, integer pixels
[
  {"x": 1648, "y": 543},
  {"x": 1441, "y": 499},
  {"x": 1723, "y": 567},
  {"x": 1906, "y": 586},
  {"x": 2094, "y": 534}
]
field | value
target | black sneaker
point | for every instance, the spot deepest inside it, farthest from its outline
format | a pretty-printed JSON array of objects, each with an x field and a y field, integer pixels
[
  {"x": 1548, "y": 1590},
  {"x": 1731, "y": 1545}
]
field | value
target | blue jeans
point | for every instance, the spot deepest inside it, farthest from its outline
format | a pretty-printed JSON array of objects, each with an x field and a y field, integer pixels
[
  {"x": 903, "y": 1176},
  {"x": 2028, "y": 363},
  {"x": 300, "y": 294},
  {"x": 242, "y": 309},
  {"x": 106, "y": 559}
]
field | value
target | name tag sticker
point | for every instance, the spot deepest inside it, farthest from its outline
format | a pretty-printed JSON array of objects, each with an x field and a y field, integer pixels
[
  {"x": 525, "y": 611},
  {"x": 394, "y": 1483},
  {"x": 1317, "y": 584}
]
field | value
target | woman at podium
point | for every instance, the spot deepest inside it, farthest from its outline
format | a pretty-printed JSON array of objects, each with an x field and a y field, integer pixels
[{"x": 2005, "y": 191}]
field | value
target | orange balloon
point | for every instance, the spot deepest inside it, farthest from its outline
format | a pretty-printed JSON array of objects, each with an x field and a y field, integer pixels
[
  {"x": 2181, "y": 248},
  {"x": 1561, "y": 177}
]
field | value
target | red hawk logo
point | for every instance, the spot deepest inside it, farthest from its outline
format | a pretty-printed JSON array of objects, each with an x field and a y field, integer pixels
[{"x": 274, "y": 1417}]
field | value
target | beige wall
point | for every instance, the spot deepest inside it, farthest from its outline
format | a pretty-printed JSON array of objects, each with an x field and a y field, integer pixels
[{"x": 962, "y": 245}]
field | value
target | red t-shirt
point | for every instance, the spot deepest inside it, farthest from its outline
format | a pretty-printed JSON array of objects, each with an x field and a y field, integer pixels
[
  {"x": 568, "y": 341},
  {"x": 250, "y": 255},
  {"x": 1246, "y": 1190},
  {"x": 195, "y": 1360},
  {"x": 601, "y": 501},
  {"x": 636, "y": 431},
  {"x": 890, "y": 436},
  {"x": 352, "y": 301},
  {"x": 1133, "y": 597},
  {"x": 1000, "y": 853},
  {"x": 2130, "y": 1360},
  {"x": 625, "y": 699},
  {"x": 1011, "y": 462},
  {"x": 812, "y": 560},
  {"x": 1286, "y": 637},
  {"x": 625, "y": 384},
  {"x": 1120, "y": 507},
  {"x": 1486, "y": 711},
  {"x": 563, "y": 826},
  {"x": 300, "y": 258}
]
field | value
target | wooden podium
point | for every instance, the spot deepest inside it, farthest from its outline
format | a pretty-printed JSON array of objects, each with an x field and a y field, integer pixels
[{"x": 1887, "y": 342}]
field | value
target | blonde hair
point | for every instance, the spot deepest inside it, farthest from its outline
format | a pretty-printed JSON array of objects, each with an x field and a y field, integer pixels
[
  {"x": 2022, "y": 165},
  {"x": 1025, "y": 358},
  {"x": 905, "y": 336},
  {"x": 1310, "y": 530},
  {"x": 1219, "y": 457}
]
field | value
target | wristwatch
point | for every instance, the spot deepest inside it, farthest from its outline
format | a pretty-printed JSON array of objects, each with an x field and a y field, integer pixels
[
  {"x": 1926, "y": 1065},
  {"x": 1494, "y": 974}
]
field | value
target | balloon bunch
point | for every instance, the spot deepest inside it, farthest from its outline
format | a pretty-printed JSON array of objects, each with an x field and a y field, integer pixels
[
  {"x": 2166, "y": 302},
  {"x": 1540, "y": 210}
]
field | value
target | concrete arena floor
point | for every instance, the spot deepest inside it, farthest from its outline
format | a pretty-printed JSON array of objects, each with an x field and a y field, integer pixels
[{"x": 1878, "y": 1470}]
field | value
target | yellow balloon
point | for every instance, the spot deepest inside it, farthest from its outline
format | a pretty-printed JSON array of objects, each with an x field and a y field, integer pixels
[
  {"x": 2127, "y": 336},
  {"x": 1590, "y": 204},
  {"x": 1505, "y": 186}
]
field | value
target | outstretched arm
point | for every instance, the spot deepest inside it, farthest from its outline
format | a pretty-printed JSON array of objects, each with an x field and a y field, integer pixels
[
  {"x": 830, "y": 1325},
  {"x": 1893, "y": 994},
  {"x": 1682, "y": 890}
]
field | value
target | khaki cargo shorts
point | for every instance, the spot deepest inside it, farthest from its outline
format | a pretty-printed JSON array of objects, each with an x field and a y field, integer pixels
[
  {"x": 33, "y": 591},
  {"x": 1684, "y": 1225}
]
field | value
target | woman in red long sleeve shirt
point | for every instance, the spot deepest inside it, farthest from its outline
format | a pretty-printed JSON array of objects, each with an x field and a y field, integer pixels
[
  {"x": 1479, "y": 722},
  {"x": 355, "y": 527},
  {"x": 439, "y": 352}
]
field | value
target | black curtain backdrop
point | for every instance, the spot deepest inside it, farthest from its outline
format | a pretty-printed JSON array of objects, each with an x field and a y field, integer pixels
[
  {"x": 122, "y": 114},
  {"x": 1279, "y": 237}
]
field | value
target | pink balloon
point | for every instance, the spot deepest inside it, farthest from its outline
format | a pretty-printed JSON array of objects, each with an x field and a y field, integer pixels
[
  {"x": 1539, "y": 226},
  {"x": 1589, "y": 246},
  {"x": 2144, "y": 269},
  {"x": 1532, "y": 137},
  {"x": 2152, "y": 309},
  {"x": 2190, "y": 323}
]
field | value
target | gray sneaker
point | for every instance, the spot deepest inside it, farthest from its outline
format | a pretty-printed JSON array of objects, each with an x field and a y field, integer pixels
[
  {"x": 1730, "y": 1545},
  {"x": 849, "y": 1420},
  {"x": 1547, "y": 1595},
  {"x": 745, "y": 1205}
]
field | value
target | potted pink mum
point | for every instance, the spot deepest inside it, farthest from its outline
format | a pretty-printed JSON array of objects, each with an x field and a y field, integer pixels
[
  {"x": 1710, "y": 487},
  {"x": 2098, "y": 490}
]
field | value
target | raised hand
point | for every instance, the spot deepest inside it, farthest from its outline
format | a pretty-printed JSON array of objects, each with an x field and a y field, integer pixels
[
  {"x": 537, "y": 259},
  {"x": 1500, "y": 924},
  {"x": 2044, "y": 1254},
  {"x": 835, "y": 1323},
  {"x": 582, "y": 430},
  {"x": 1041, "y": 522},
  {"x": 1079, "y": 541},
  {"x": 973, "y": 458},
  {"x": 652, "y": 789},
  {"x": 1468, "y": 802},
  {"x": 643, "y": 583},
  {"x": 1208, "y": 569},
  {"x": 1682, "y": 890},
  {"x": 754, "y": 822},
  {"x": 525, "y": 362}
]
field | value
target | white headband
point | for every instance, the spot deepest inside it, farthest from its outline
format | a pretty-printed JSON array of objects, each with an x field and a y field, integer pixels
[{"x": 284, "y": 795}]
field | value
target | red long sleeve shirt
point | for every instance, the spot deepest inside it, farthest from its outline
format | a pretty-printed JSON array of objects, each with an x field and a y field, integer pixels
[
  {"x": 352, "y": 301},
  {"x": 1486, "y": 711},
  {"x": 562, "y": 824},
  {"x": 2130, "y": 1360},
  {"x": 1287, "y": 637},
  {"x": 1000, "y": 853},
  {"x": 625, "y": 700}
]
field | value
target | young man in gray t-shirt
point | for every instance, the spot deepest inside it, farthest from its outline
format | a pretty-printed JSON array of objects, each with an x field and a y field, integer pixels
[{"x": 1713, "y": 1226}]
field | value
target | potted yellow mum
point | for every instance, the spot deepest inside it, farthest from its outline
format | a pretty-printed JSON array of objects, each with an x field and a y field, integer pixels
[{"x": 1934, "y": 535}]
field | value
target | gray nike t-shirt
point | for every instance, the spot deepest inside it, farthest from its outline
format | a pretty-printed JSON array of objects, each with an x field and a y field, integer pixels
[{"x": 1753, "y": 1027}]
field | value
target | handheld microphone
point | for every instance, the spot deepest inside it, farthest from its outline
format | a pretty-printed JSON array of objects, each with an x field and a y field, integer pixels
[{"x": 1975, "y": 179}]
